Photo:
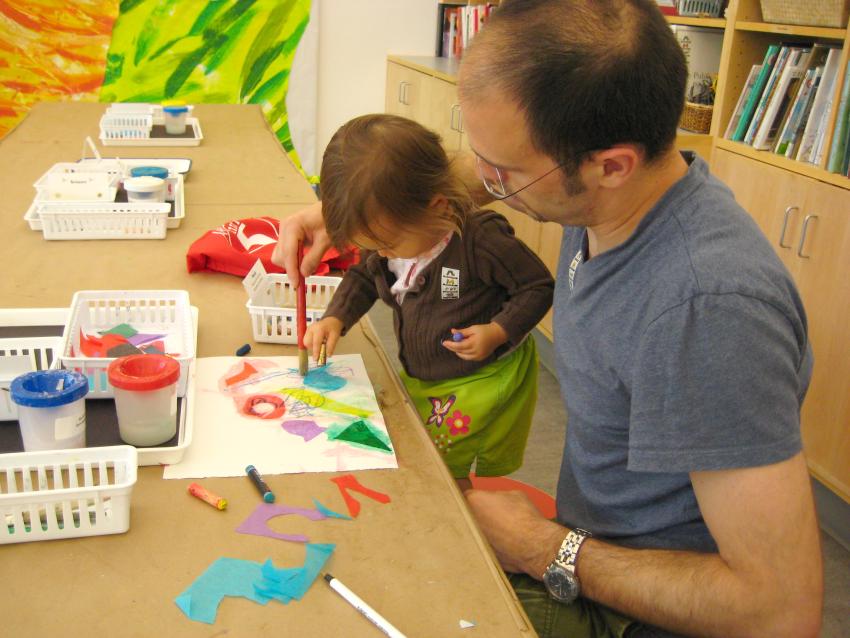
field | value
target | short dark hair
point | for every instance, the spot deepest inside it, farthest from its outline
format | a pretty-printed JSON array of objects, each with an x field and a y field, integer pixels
[
  {"x": 388, "y": 165},
  {"x": 588, "y": 73}
]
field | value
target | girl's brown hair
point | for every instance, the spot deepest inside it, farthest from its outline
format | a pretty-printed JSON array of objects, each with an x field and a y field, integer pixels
[{"x": 389, "y": 166}]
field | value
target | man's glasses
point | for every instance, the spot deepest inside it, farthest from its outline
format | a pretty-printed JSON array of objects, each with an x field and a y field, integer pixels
[{"x": 496, "y": 184}]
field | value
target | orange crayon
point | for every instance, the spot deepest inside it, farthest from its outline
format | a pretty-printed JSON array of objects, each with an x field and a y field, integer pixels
[{"x": 207, "y": 496}]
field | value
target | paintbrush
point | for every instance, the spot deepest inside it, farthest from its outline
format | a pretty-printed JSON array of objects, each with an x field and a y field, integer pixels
[{"x": 301, "y": 317}]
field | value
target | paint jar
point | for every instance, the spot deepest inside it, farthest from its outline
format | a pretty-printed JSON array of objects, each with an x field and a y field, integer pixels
[
  {"x": 145, "y": 189},
  {"x": 51, "y": 409},
  {"x": 150, "y": 171},
  {"x": 145, "y": 390},
  {"x": 175, "y": 119}
]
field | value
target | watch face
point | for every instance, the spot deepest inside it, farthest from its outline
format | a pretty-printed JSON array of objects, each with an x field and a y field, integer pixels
[{"x": 561, "y": 584}]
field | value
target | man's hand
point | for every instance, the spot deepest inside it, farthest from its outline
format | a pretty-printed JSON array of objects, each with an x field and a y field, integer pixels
[
  {"x": 478, "y": 341},
  {"x": 307, "y": 226},
  {"x": 522, "y": 539}
]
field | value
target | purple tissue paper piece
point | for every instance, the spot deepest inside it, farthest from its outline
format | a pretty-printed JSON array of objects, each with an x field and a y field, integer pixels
[
  {"x": 140, "y": 338},
  {"x": 257, "y": 521},
  {"x": 308, "y": 430}
]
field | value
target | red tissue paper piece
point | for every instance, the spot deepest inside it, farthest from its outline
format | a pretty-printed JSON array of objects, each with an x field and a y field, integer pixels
[
  {"x": 235, "y": 246},
  {"x": 349, "y": 482}
]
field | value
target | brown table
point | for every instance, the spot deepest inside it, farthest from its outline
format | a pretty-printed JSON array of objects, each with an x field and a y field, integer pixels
[{"x": 419, "y": 560}]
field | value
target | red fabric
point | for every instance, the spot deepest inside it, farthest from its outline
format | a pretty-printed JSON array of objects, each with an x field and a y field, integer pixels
[{"x": 234, "y": 247}]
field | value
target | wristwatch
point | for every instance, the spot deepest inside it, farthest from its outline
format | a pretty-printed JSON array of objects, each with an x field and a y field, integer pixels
[{"x": 560, "y": 576}]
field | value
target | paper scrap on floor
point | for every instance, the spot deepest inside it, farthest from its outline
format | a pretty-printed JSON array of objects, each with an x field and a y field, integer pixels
[{"x": 260, "y": 411}]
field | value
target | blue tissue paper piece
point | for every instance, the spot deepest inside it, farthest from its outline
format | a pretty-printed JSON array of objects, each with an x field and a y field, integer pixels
[
  {"x": 286, "y": 584},
  {"x": 330, "y": 513},
  {"x": 260, "y": 583}
]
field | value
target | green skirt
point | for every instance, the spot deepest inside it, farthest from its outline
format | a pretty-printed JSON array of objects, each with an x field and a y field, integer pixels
[{"x": 482, "y": 418}]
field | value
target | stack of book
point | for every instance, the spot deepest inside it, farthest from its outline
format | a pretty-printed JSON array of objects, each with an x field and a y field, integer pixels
[
  {"x": 460, "y": 23},
  {"x": 787, "y": 101}
]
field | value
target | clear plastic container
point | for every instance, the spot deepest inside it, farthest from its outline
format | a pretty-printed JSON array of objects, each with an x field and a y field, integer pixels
[
  {"x": 146, "y": 189},
  {"x": 145, "y": 387},
  {"x": 175, "y": 119},
  {"x": 51, "y": 409}
]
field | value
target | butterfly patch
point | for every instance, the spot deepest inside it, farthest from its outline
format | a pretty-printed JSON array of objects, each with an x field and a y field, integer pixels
[{"x": 439, "y": 409}]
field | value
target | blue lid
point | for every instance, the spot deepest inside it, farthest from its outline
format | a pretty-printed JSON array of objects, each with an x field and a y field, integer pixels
[
  {"x": 152, "y": 171},
  {"x": 175, "y": 110},
  {"x": 48, "y": 388}
]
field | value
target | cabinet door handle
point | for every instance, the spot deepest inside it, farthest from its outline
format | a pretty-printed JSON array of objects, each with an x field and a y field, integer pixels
[
  {"x": 788, "y": 212},
  {"x": 402, "y": 92},
  {"x": 455, "y": 109},
  {"x": 806, "y": 221}
]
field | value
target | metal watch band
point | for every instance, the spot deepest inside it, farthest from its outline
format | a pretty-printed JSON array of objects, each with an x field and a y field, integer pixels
[{"x": 568, "y": 553}]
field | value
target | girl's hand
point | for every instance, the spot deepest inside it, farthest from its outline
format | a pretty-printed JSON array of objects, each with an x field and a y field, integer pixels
[
  {"x": 478, "y": 341},
  {"x": 327, "y": 330}
]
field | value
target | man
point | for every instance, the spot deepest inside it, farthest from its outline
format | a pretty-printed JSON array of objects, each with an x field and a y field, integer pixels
[{"x": 680, "y": 339}]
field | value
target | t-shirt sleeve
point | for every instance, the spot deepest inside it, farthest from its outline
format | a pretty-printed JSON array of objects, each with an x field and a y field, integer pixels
[{"x": 717, "y": 384}]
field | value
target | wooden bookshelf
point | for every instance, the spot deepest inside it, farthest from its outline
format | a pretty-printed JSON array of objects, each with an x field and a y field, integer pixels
[
  {"x": 804, "y": 211},
  {"x": 710, "y": 23}
]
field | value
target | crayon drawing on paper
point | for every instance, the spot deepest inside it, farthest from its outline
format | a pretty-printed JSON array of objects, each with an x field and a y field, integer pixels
[{"x": 260, "y": 411}]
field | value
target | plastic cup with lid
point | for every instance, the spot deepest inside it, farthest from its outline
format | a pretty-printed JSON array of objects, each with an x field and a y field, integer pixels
[
  {"x": 145, "y": 390},
  {"x": 145, "y": 188},
  {"x": 51, "y": 409},
  {"x": 175, "y": 119}
]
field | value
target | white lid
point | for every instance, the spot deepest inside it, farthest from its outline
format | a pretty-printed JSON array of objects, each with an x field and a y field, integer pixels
[{"x": 144, "y": 184}]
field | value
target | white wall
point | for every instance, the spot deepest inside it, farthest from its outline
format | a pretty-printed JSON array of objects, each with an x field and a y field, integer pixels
[{"x": 355, "y": 37}]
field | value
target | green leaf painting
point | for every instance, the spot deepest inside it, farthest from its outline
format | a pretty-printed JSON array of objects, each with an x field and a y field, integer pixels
[{"x": 223, "y": 51}]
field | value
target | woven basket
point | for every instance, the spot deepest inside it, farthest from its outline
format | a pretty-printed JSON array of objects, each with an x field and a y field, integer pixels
[
  {"x": 696, "y": 117},
  {"x": 700, "y": 8},
  {"x": 816, "y": 13}
]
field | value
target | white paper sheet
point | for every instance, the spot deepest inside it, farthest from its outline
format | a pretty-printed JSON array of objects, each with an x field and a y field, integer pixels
[{"x": 265, "y": 414}]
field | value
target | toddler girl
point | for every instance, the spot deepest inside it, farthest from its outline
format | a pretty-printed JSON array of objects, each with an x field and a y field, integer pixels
[{"x": 465, "y": 292}]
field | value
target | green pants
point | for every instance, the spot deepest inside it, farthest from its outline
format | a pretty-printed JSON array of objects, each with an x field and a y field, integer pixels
[
  {"x": 580, "y": 619},
  {"x": 483, "y": 417}
]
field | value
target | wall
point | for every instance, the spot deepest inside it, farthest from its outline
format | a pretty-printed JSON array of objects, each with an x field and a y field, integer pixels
[{"x": 354, "y": 40}]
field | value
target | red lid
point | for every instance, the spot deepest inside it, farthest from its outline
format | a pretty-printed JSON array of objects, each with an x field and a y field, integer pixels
[{"x": 143, "y": 372}]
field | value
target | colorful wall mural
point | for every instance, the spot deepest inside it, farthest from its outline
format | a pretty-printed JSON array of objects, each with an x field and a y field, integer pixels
[{"x": 198, "y": 51}]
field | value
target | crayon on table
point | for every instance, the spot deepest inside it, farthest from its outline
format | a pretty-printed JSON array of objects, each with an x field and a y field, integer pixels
[
  {"x": 323, "y": 354},
  {"x": 207, "y": 497},
  {"x": 260, "y": 484}
]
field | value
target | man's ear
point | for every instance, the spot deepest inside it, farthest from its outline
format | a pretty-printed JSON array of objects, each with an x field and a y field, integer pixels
[{"x": 615, "y": 166}]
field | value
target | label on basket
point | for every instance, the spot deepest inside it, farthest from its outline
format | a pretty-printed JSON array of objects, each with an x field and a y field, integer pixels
[{"x": 66, "y": 427}]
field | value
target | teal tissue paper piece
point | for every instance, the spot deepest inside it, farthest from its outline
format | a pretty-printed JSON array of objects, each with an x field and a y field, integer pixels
[
  {"x": 254, "y": 581},
  {"x": 225, "y": 577},
  {"x": 292, "y": 583},
  {"x": 330, "y": 513}
]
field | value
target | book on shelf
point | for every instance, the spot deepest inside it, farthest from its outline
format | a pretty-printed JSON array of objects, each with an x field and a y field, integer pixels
[
  {"x": 758, "y": 87},
  {"x": 783, "y": 94},
  {"x": 668, "y": 7},
  {"x": 838, "y": 149},
  {"x": 459, "y": 23},
  {"x": 792, "y": 130},
  {"x": 767, "y": 94},
  {"x": 804, "y": 91},
  {"x": 811, "y": 144},
  {"x": 742, "y": 98}
]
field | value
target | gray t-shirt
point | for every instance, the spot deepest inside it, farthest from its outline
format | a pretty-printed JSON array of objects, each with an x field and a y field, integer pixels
[{"x": 682, "y": 349}]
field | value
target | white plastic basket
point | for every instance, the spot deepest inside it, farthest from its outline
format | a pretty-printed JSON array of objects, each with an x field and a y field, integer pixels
[
  {"x": 66, "y": 493},
  {"x": 107, "y": 220},
  {"x": 148, "y": 311},
  {"x": 126, "y": 126},
  {"x": 272, "y": 301}
]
